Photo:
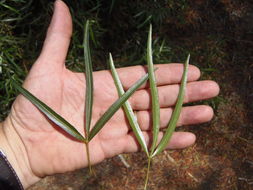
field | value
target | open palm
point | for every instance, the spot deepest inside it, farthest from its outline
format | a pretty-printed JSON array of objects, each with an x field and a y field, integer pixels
[{"x": 50, "y": 150}]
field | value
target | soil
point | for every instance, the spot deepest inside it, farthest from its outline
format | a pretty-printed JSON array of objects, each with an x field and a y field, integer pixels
[{"x": 222, "y": 158}]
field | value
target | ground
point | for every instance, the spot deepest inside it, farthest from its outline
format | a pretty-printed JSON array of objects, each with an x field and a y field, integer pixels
[{"x": 218, "y": 34}]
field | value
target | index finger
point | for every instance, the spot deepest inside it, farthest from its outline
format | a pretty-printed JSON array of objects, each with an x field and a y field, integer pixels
[{"x": 165, "y": 74}]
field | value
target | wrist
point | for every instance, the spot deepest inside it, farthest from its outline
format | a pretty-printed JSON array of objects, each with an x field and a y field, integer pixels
[{"x": 15, "y": 151}]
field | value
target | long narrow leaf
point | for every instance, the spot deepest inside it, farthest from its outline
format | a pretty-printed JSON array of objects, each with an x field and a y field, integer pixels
[
  {"x": 154, "y": 92},
  {"x": 115, "y": 106},
  {"x": 89, "y": 80},
  {"x": 128, "y": 109},
  {"x": 51, "y": 114},
  {"x": 176, "y": 113}
]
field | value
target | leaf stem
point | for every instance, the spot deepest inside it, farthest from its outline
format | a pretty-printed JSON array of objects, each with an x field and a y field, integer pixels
[
  {"x": 88, "y": 156},
  {"x": 147, "y": 174}
]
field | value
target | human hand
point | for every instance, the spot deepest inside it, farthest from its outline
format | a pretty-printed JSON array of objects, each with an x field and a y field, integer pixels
[{"x": 38, "y": 148}]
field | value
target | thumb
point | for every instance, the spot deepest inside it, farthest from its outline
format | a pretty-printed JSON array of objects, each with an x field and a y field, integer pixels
[{"x": 58, "y": 36}]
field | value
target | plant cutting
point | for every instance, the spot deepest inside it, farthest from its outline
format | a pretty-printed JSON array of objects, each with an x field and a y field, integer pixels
[
  {"x": 155, "y": 149},
  {"x": 90, "y": 133}
]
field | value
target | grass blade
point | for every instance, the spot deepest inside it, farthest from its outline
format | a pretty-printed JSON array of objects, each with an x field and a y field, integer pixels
[
  {"x": 154, "y": 92},
  {"x": 128, "y": 109},
  {"x": 176, "y": 113},
  {"x": 115, "y": 106},
  {"x": 52, "y": 115},
  {"x": 89, "y": 80}
]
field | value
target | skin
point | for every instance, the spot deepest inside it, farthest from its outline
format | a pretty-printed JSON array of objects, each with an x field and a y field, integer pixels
[{"x": 37, "y": 148}]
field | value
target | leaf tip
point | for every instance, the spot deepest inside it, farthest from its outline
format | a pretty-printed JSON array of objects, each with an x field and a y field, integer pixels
[{"x": 188, "y": 57}]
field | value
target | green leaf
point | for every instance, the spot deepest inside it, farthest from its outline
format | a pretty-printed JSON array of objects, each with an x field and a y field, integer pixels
[
  {"x": 51, "y": 114},
  {"x": 176, "y": 113},
  {"x": 89, "y": 80},
  {"x": 9, "y": 7},
  {"x": 115, "y": 106},
  {"x": 154, "y": 92},
  {"x": 128, "y": 109}
]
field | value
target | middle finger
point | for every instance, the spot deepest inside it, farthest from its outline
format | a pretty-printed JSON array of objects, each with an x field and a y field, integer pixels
[{"x": 195, "y": 91}]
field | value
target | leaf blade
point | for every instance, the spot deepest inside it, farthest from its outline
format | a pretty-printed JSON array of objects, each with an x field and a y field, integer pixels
[
  {"x": 128, "y": 109},
  {"x": 154, "y": 92},
  {"x": 176, "y": 113},
  {"x": 115, "y": 106},
  {"x": 51, "y": 114},
  {"x": 89, "y": 80}
]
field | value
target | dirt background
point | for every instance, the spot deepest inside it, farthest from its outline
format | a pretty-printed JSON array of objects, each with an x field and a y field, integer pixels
[{"x": 220, "y": 34}]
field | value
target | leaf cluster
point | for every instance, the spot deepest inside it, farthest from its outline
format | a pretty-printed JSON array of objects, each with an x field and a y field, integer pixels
[
  {"x": 155, "y": 147},
  {"x": 61, "y": 122}
]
